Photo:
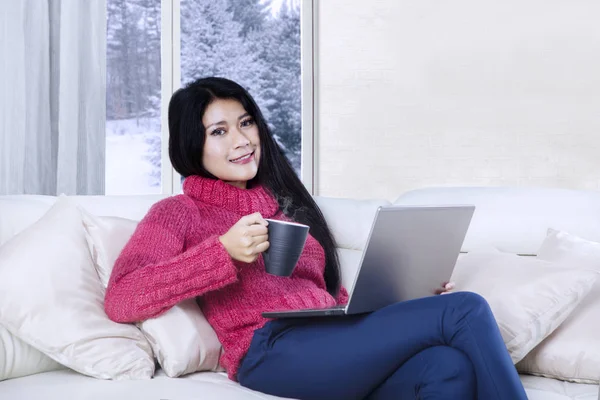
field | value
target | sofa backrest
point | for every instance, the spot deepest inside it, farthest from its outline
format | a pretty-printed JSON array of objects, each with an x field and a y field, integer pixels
[
  {"x": 516, "y": 219},
  {"x": 350, "y": 222},
  {"x": 17, "y": 212},
  {"x": 348, "y": 219},
  {"x": 512, "y": 219}
]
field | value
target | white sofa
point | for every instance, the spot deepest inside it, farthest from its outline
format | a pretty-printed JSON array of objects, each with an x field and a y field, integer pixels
[{"x": 512, "y": 219}]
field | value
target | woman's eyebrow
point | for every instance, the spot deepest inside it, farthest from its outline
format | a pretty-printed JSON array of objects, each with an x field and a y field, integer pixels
[{"x": 222, "y": 122}]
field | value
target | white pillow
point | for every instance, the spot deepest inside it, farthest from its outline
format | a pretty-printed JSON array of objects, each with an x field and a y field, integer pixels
[
  {"x": 572, "y": 352},
  {"x": 105, "y": 238},
  {"x": 19, "y": 212},
  {"x": 51, "y": 298},
  {"x": 349, "y": 263},
  {"x": 17, "y": 358},
  {"x": 182, "y": 339},
  {"x": 529, "y": 297}
]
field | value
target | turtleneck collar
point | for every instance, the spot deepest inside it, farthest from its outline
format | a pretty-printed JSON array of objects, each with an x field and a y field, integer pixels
[{"x": 220, "y": 194}]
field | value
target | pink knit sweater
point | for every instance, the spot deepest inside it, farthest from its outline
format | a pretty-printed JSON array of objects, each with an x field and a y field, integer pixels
[{"x": 175, "y": 254}]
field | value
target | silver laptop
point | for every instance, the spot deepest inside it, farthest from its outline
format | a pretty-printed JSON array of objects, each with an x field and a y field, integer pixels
[{"x": 410, "y": 252}]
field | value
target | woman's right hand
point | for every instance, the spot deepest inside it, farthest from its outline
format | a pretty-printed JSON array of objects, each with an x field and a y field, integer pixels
[{"x": 245, "y": 240}]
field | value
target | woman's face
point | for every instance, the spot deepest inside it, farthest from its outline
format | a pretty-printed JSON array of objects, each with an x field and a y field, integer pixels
[{"x": 232, "y": 146}]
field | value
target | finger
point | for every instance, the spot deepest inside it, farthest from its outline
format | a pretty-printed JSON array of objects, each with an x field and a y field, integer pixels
[
  {"x": 255, "y": 218},
  {"x": 449, "y": 286},
  {"x": 441, "y": 289},
  {"x": 246, "y": 242},
  {"x": 261, "y": 247},
  {"x": 260, "y": 239},
  {"x": 249, "y": 259},
  {"x": 257, "y": 230}
]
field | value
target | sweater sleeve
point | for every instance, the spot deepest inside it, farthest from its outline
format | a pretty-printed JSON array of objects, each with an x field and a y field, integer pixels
[
  {"x": 153, "y": 272},
  {"x": 342, "y": 297}
]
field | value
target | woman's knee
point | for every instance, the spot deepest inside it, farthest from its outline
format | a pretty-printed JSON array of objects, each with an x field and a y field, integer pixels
[
  {"x": 469, "y": 301},
  {"x": 449, "y": 370},
  {"x": 450, "y": 363}
]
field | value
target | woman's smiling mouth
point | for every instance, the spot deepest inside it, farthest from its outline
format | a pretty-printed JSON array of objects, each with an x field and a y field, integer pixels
[{"x": 243, "y": 159}]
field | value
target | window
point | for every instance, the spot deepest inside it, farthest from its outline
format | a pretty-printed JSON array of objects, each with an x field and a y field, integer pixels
[
  {"x": 256, "y": 43},
  {"x": 133, "y": 101}
]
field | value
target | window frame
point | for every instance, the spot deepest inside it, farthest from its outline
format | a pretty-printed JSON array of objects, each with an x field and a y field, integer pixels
[{"x": 171, "y": 81}]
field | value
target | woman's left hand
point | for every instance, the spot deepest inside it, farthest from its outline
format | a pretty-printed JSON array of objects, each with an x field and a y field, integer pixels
[{"x": 446, "y": 288}]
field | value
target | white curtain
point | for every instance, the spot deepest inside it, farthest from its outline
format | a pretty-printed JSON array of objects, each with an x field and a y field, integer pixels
[{"x": 52, "y": 96}]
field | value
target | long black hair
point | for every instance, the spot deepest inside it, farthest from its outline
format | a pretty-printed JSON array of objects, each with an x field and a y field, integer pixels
[{"x": 186, "y": 142}]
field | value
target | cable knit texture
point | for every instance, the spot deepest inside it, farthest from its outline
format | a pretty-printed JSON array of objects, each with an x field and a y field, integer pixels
[{"x": 175, "y": 254}]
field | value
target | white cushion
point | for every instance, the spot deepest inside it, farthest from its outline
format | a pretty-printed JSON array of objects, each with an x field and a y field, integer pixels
[
  {"x": 349, "y": 263},
  {"x": 19, "y": 212},
  {"x": 106, "y": 237},
  {"x": 529, "y": 297},
  {"x": 349, "y": 220},
  {"x": 572, "y": 352},
  {"x": 17, "y": 358},
  {"x": 51, "y": 298},
  {"x": 182, "y": 339},
  {"x": 515, "y": 219},
  {"x": 132, "y": 207}
]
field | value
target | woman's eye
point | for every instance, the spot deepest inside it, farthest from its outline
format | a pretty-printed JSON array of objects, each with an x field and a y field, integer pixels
[
  {"x": 217, "y": 132},
  {"x": 247, "y": 122}
]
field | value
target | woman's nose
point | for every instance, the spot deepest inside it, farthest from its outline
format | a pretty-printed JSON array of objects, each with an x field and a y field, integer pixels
[{"x": 240, "y": 140}]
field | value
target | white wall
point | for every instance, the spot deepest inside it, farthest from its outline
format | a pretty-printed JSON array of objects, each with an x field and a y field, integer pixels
[{"x": 414, "y": 93}]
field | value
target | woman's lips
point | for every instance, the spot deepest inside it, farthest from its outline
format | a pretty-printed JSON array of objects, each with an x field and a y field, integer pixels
[{"x": 244, "y": 159}]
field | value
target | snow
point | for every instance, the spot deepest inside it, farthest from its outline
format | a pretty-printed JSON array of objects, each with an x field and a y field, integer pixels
[
  {"x": 237, "y": 40},
  {"x": 128, "y": 169}
]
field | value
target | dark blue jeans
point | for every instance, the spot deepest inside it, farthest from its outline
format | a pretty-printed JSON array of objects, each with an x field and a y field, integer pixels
[{"x": 439, "y": 347}]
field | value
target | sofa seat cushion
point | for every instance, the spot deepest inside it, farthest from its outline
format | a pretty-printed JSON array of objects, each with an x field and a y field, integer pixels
[
  {"x": 67, "y": 384},
  {"x": 539, "y": 388}
]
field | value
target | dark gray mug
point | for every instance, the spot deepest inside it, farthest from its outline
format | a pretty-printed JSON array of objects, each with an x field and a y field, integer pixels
[{"x": 286, "y": 242}]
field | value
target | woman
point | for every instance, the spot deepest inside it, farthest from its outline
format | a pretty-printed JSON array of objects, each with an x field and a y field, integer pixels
[{"x": 207, "y": 242}]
